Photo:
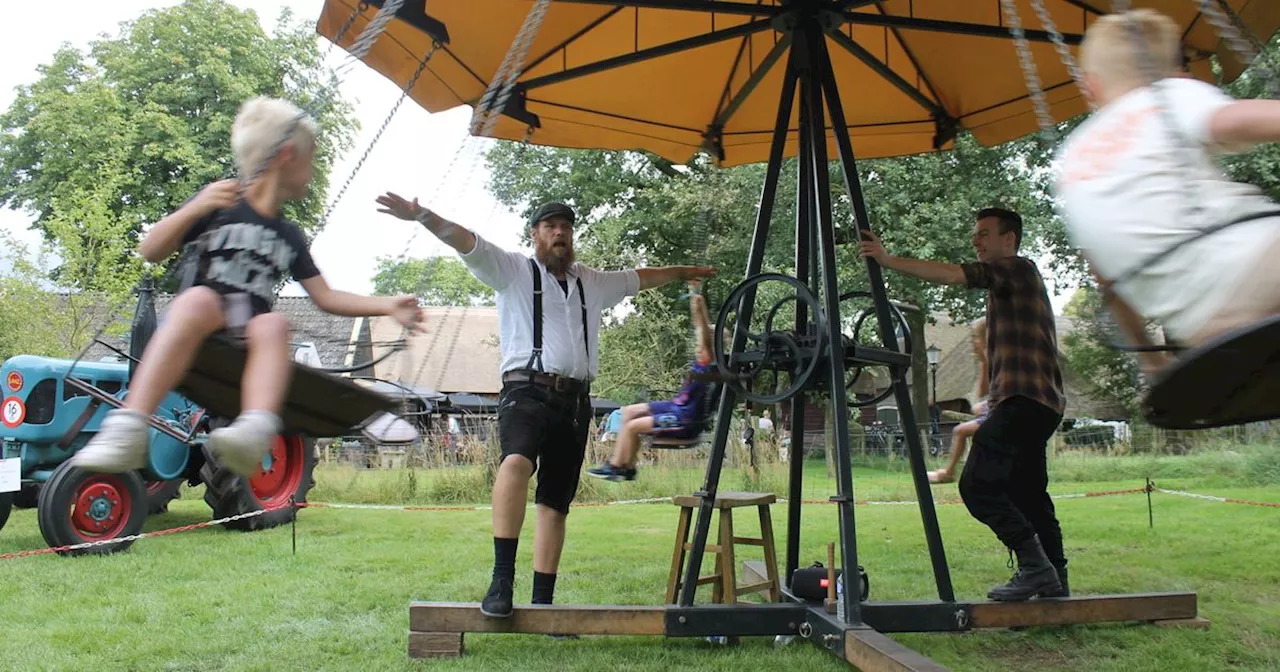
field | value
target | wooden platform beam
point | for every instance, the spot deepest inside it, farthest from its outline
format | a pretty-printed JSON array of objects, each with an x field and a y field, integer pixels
[
  {"x": 538, "y": 619},
  {"x": 870, "y": 651},
  {"x": 1083, "y": 609}
]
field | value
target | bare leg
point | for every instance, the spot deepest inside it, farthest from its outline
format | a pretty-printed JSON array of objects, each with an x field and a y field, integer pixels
[
  {"x": 959, "y": 437},
  {"x": 624, "y": 455},
  {"x": 267, "y": 370},
  {"x": 548, "y": 539},
  {"x": 510, "y": 492},
  {"x": 193, "y": 315}
]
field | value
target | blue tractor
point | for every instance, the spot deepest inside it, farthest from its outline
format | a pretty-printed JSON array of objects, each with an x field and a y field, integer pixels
[{"x": 50, "y": 411}]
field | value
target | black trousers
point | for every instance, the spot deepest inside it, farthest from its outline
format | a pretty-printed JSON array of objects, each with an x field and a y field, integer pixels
[{"x": 1005, "y": 482}]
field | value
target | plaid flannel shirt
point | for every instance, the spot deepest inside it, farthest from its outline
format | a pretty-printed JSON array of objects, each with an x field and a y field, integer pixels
[{"x": 1022, "y": 338}]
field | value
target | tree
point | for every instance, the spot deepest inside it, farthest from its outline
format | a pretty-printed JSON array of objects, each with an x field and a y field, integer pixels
[
  {"x": 139, "y": 122},
  {"x": 438, "y": 281},
  {"x": 1090, "y": 352}
]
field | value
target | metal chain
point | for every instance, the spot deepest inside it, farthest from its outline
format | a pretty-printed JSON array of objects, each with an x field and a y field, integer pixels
[
  {"x": 1029, "y": 69},
  {"x": 1247, "y": 46},
  {"x": 485, "y": 116},
  {"x": 1059, "y": 43},
  {"x": 375, "y": 28},
  {"x": 408, "y": 88}
]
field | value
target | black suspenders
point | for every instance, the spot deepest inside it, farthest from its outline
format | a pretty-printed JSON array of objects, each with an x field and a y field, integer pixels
[{"x": 537, "y": 318}]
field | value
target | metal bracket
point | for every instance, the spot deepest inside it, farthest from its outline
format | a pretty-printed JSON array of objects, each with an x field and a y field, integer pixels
[{"x": 945, "y": 130}]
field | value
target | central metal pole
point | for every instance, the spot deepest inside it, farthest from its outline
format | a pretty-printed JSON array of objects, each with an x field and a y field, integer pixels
[
  {"x": 799, "y": 405},
  {"x": 816, "y": 138}
]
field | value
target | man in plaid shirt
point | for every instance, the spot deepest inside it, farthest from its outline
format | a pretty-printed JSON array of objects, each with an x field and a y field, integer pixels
[{"x": 1005, "y": 481}]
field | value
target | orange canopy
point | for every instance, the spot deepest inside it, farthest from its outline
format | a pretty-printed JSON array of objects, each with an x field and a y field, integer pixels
[{"x": 657, "y": 74}]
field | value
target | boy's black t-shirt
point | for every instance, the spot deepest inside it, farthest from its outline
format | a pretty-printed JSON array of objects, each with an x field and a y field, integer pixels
[{"x": 249, "y": 252}]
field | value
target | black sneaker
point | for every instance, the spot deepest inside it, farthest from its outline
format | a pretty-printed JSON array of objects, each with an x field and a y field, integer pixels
[
  {"x": 611, "y": 473},
  {"x": 497, "y": 603}
]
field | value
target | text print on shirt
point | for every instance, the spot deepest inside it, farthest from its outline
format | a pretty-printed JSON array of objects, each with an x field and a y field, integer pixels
[
  {"x": 237, "y": 255},
  {"x": 1100, "y": 151}
]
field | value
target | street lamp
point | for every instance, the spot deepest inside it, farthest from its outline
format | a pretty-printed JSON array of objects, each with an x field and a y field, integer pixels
[{"x": 934, "y": 353}]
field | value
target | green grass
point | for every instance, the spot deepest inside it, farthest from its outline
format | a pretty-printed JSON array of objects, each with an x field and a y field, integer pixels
[{"x": 211, "y": 599}]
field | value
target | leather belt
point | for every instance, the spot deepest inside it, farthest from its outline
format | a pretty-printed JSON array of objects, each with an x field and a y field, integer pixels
[{"x": 561, "y": 384}]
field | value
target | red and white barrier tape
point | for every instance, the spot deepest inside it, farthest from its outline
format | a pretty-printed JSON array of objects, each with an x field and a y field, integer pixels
[
  {"x": 649, "y": 500},
  {"x": 1214, "y": 498},
  {"x": 143, "y": 535}
]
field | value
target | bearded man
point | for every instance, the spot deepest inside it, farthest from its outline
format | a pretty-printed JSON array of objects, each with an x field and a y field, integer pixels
[{"x": 549, "y": 309}]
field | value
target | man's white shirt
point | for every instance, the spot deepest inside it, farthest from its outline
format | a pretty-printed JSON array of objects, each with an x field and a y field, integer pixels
[{"x": 563, "y": 346}]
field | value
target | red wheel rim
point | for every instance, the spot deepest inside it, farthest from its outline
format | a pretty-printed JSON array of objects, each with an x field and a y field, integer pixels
[
  {"x": 101, "y": 507},
  {"x": 274, "y": 485},
  {"x": 155, "y": 486}
]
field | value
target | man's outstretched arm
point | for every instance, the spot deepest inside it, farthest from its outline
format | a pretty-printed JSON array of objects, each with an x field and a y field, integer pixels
[
  {"x": 662, "y": 275},
  {"x": 929, "y": 271},
  {"x": 454, "y": 235}
]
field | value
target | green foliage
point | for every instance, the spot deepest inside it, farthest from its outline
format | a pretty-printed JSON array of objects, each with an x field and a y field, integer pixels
[
  {"x": 437, "y": 281},
  {"x": 128, "y": 129},
  {"x": 1090, "y": 353}
]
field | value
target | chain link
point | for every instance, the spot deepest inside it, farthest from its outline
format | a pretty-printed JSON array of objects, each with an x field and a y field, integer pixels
[
  {"x": 486, "y": 114},
  {"x": 1029, "y": 69},
  {"x": 1248, "y": 48},
  {"x": 1059, "y": 42}
]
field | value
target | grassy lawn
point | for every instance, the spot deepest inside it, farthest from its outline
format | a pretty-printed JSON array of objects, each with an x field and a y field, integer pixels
[{"x": 215, "y": 600}]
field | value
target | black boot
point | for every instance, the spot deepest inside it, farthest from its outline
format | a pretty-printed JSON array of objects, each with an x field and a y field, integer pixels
[
  {"x": 1065, "y": 591},
  {"x": 1034, "y": 574}
]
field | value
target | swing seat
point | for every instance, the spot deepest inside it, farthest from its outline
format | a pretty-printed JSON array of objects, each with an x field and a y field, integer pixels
[
  {"x": 317, "y": 404},
  {"x": 1232, "y": 380},
  {"x": 674, "y": 443}
]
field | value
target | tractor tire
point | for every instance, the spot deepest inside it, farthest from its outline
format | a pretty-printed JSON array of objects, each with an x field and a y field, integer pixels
[
  {"x": 27, "y": 497},
  {"x": 287, "y": 477},
  {"x": 78, "y": 506},
  {"x": 6, "y": 505},
  {"x": 160, "y": 493}
]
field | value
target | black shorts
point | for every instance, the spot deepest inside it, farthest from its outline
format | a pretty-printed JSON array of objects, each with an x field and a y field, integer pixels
[{"x": 550, "y": 429}]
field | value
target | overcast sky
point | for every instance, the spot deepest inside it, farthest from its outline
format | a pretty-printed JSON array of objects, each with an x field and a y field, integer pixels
[{"x": 410, "y": 159}]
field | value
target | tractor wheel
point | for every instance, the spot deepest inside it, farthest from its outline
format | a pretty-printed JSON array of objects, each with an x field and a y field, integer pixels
[
  {"x": 286, "y": 474},
  {"x": 78, "y": 506},
  {"x": 6, "y": 505},
  {"x": 160, "y": 493},
  {"x": 27, "y": 497}
]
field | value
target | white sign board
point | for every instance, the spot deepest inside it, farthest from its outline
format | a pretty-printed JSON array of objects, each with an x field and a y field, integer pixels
[{"x": 11, "y": 475}]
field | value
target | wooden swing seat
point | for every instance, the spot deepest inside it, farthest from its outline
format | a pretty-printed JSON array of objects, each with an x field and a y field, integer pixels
[
  {"x": 1232, "y": 380},
  {"x": 673, "y": 443},
  {"x": 317, "y": 404}
]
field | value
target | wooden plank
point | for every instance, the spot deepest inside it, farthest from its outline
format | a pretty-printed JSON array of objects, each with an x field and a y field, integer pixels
[
  {"x": 871, "y": 651},
  {"x": 538, "y": 619},
  {"x": 1088, "y": 609},
  {"x": 435, "y": 644},
  {"x": 1196, "y": 623}
]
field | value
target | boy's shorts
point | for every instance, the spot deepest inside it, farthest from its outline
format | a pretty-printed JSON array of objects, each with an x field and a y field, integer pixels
[{"x": 673, "y": 421}]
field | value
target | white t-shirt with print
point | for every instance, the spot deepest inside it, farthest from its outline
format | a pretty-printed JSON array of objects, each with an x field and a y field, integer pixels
[{"x": 1125, "y": 183}]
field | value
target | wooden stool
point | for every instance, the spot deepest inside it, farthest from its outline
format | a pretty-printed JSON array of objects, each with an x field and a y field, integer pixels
[{"x": 724, "y": 584}]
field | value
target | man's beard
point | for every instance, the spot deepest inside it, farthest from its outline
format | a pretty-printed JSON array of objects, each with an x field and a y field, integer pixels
[{"x": 556, "y": 263}]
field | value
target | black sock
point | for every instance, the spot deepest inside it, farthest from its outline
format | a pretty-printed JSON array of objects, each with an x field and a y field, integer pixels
[
  {"x": 544, "y": 587},
  {"x": 504, "y": 558}
]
